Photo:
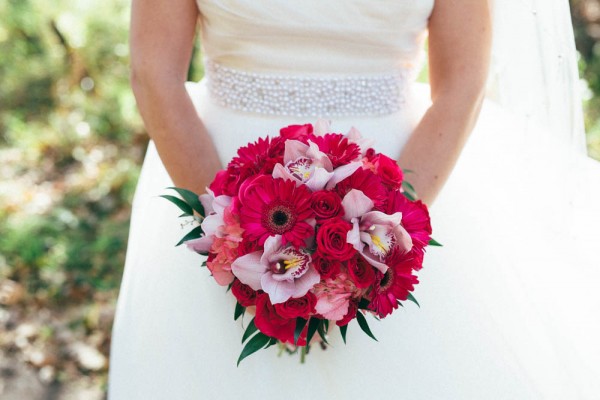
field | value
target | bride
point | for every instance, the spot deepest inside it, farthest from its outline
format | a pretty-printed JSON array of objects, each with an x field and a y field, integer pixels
[{"x": 510, "y": 306}]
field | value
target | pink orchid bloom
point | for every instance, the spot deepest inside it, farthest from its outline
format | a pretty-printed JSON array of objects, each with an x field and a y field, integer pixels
[
  {"x": 281, "y": 272},
  {"x": 374, "y": 234},
  {"x": 306, "y": 164},
  {"x": 323, "y": 127},
  {"x": 213, "y": 224}
]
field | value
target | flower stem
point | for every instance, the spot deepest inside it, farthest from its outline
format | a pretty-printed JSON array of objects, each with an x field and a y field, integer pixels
[{"x": 303, "y": 355}]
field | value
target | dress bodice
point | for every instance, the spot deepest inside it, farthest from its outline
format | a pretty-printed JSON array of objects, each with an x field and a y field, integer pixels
[{"x": 314, "y": 36}]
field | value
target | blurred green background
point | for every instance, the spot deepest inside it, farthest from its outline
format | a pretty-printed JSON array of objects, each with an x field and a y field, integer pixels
[{"x": 71, "y": 145}]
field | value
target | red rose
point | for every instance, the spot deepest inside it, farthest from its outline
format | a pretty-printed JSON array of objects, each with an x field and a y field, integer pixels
[
  {"x": 328, "y": 269},
  {"x": 361, "y": 272},
  {"x": 297, "y": 132},
  {"x": 326, "y": 204},
  {"x": 300, "y": 307},
  {"x": 388, "y": 170},
  {"x": 350, "y": 315},
  {"x": 273, "y": 325},
  {"x": 219, "y": 184},
  {"x": 244, "y": 294},
  {"x": 331, "y": 240}
]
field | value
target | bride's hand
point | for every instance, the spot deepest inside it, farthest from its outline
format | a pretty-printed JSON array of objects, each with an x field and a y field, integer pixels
[{"x": 162, "y": 34}]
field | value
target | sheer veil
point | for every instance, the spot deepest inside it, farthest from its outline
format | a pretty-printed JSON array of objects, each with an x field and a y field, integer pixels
[{"x": 534, "y": 67}]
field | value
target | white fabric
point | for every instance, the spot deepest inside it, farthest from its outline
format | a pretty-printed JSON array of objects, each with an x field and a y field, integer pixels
[{"x": 509, "y": 306}]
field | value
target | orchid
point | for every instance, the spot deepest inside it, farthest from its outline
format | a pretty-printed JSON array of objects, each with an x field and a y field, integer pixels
[
  {"x": 283, "y": 272},
  {"x": 213, "y": 224}
]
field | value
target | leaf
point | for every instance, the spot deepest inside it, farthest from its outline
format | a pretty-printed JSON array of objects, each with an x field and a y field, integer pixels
[
  {"x": 257, "y": 342},
  {"x": 408, "y": 171},
  {"x": 362, "y": 322},
  {"x": 313, "y": 324},
  {"x": 399, "y": 303},
  {"x": 193, "y": 234},
  {"x": 271, "y": 343},
  {"x": 412, "y": 298},
  {"x": 250, "y": 329},
  {"x": 300, "y": 324},
  {"x": 409, "y": 196},
  {"x": 433, "y": 242},
  {"x": 343, "y": 330},
  {"x": 239, "y": 311},
  {"x": 363, "y": 304},
  {"x": 322, "y": 332},
  {"x": 183, "y": 206},
  {"x": 191, "y": 199}
]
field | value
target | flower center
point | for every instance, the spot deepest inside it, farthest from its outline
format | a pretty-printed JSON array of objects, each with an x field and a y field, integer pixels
[
  {"x": 386, "y": 281},
  {"x": 295, "y": 261},
  {"x": 279, "y": 218},
  {"x": 301, "y": 168}
]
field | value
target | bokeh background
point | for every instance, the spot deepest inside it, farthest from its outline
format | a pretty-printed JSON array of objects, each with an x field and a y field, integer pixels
[{"x": 71, "y": 146}]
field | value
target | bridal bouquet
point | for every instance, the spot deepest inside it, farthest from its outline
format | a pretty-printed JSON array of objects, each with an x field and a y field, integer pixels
[{"x": 309, "y": 228}]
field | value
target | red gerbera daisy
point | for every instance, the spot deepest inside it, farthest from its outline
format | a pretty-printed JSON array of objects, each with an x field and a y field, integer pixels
[
  {"x": 339, "y": 150},
  {"x": 365, "y": 181},
  {"x": 393, "y": 286},
  {"x": 272, "y": 207}
]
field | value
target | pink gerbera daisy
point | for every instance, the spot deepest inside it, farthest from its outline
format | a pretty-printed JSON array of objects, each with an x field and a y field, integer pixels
[
  {"x": 339, "y": 149},
  {"x": 365, "y": 181},
  {"x": 272, "y": 207}
]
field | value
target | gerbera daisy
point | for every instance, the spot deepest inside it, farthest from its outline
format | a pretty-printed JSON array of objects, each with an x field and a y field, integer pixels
[
  {"x": 272, "y": 207},
  {"x": 339, "y": 149},
  {"x": 365, "y": 181}
]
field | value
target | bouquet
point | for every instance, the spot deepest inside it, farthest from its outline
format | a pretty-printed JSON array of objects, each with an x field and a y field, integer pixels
[{"x": 311, "y": 229}]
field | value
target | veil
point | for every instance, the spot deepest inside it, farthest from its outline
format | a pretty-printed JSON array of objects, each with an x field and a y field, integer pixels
[{"x": 534, "y": 70}]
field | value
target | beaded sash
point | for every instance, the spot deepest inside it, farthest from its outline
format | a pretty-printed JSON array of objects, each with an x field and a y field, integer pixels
[{"x": 301, "y": 96}]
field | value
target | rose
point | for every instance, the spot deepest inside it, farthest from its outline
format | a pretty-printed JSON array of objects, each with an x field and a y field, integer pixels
[
  {"x": 297, "y": 132},
  {"x": 389, "y": 171},
  {"x": 328, "y": 269},
  {"x": 244, "y": 294},
  {"x": 300, "y": 307},
  {"x": 326, "y": 204},
  {"x": 361, "y": 272},
  {"x": 350, "y": 315},
  {"x": 331, "y": 240},
  {"x": 273, "y": 325}
]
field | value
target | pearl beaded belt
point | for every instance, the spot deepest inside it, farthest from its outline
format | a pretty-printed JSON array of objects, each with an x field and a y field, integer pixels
[{"x": 350, "y": 95}]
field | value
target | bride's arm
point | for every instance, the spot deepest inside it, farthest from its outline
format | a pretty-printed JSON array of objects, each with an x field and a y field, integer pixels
[
  {"x": 459, "y": 51},
  {"x": 162, "y": 34}
]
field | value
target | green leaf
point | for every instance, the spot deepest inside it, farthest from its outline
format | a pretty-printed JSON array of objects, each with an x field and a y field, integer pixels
[
  {"x": 239, "y": 311},
  {"x": 191, "y": 199},
  {"x": 257, "y": 342},
  {"x": 409, "y": 196},
  {"x": 412, "y": 298},
  {"x": 433, "y": 242},
  {"x": 322, "y": 332},
  {"x": 193, "y": 234},
  {"x": 271, "y": 343},
  {"x": 408, "y": 171},
  {"x": 300, "y": 324},
  {"x": 399, "y": 303},
  {"x": 363, "y": 304},
  {"x": 362, "y": 322},
  {"x": 313, "y": 324},
  {"x": 250, "y": 329},
  {"x": 343, "y": 330},
  {"x": 183, "y": 206}
]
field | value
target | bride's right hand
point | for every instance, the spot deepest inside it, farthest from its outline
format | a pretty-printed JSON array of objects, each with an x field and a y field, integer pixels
[{"x": 162, "y": 35}]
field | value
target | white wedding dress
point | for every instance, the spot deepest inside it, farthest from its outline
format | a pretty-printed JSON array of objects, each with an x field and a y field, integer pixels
[{"x": 510, "y": 306}]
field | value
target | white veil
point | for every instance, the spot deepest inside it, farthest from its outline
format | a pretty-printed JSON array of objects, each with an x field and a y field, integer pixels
[{"x": 534, "y": 67}]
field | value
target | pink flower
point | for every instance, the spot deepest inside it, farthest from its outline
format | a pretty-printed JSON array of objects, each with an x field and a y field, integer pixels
[
  {"x": 213, "y": 225},
  {"x": 225, "y": 249},
  {"x": 333, "y": 297},
  {"x": 393, "y": 286},
  {"x": 374, "y": 234},
  {"x": 276, "y": 207},
  {"x": 281, "y": 272}
]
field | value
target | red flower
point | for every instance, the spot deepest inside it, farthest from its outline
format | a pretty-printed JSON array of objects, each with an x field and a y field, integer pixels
[
  {"x": 244, "y": 294},
  {"x": 269, "y": 322},
  {"x": 392, "y": 286},
  {"x": 350, "y": 315},
  {"x": 272, "y": 207},
  {"x": 415, "y": 218},
  {"x": 365, "y": 181},
  {"x": 389, "y": 171},
  {"x": 361, "y": 272},
  {"x": 297, "y": 132},
  {"x": 339, "y": 150},
  {"x": 301, "y": 307},
  {"x": 328, "y": 269},
  {"x": 326, "y": 204},
  {"x": 331, "y": 240}
]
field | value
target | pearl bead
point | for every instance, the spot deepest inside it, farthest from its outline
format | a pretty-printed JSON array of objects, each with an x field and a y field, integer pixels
[{"x": 303, "y": 96}]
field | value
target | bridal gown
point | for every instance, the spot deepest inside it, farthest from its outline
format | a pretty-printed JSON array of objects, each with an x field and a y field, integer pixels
[{"x": 510, "y": 306}]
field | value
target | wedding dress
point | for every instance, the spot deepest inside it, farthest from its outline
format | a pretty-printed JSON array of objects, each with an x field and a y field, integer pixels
[{"x": 509, "y": 306}]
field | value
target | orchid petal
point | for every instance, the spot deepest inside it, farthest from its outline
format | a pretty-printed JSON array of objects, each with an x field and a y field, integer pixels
[
  {"x": 271, "y": 247},
  {"x": 318, "y": 158},
  {"x": 379, "y": 218},
  {"x": 319, "y": 179},
  {"x": 403, "y": 238},
  {"x": 249, "y": 269},
  {"x": 371, "y": 259},
  {"x": 221, "y": 203},
  {"x": 294, "y": 149},
  {"x": 306, "y": 282},
  {"x": 278, "y": 291},
  {"x": 353, "y": 236},
  {"x": 200, "y": 245},
  {"x": 211, "y": 224},
  {"x": 322, "y": 127},
  {"x": 342, "y": 172},
  {"x": 356, "y": 204},
  {"x": 206, "y": 200},
  {"x": 279, "y": 171}
]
